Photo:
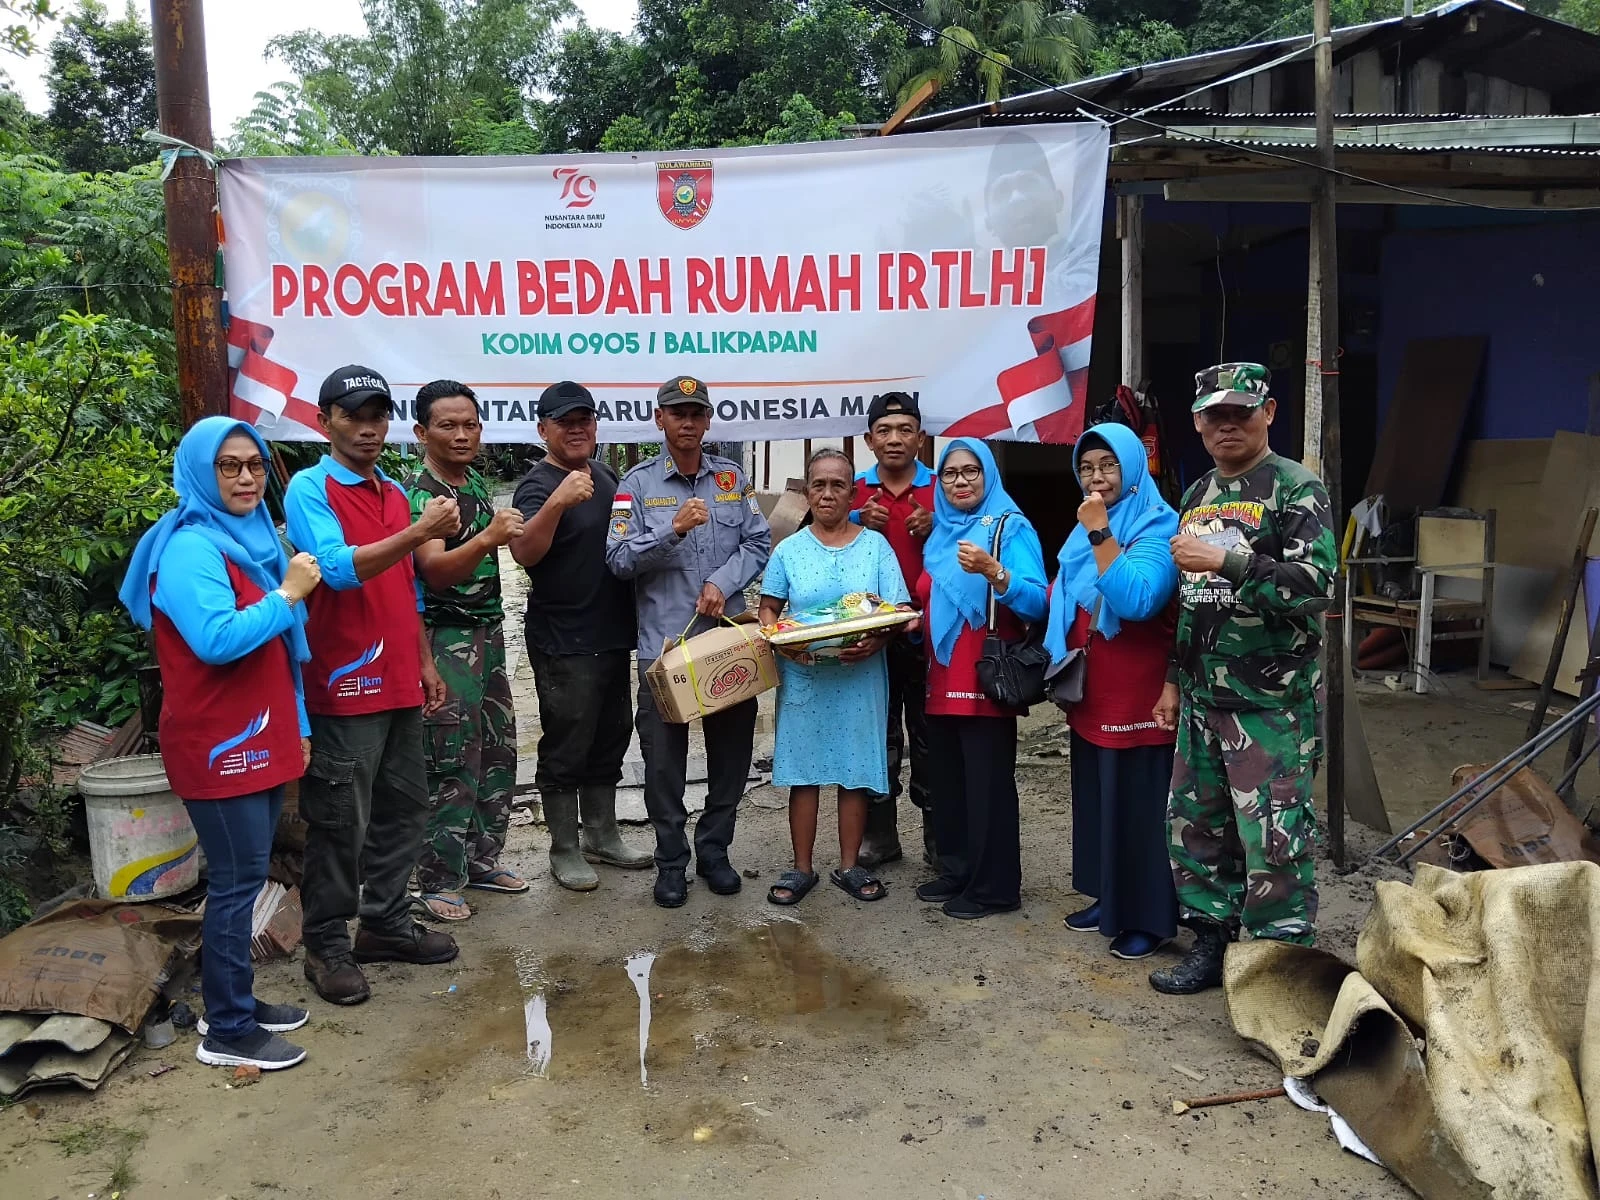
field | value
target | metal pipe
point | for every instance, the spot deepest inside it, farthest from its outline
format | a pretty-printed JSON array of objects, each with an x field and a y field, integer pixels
[
  {"x": 1533, "y": 750},
  {"x": 1571, "y": 776},
  {"x": 1526, "y": 751}
]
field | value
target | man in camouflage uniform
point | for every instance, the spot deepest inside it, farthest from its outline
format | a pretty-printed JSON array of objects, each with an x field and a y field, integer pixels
[
  {"x": 469, "y": 745},
  {"x": 1257, "y": 554}
]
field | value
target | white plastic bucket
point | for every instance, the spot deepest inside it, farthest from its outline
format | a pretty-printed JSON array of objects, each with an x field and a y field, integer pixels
[{"x": 141, "y": 843}]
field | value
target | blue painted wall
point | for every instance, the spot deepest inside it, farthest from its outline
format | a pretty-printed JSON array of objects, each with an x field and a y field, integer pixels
[{"x": 1531, "y": 286}]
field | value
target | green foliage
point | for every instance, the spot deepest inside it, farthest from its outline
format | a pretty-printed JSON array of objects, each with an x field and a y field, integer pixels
[
  {"x": 285, "y": 122},
  {"x": 803, "y": 121},
  {"x": 88, "y": 421},
  {"x": 628, "y": 135},
  {"x": 994, "y": 48},
  {"x": 1131, "y": 46},
  {"x": 596, "y": 79},
  {"x": 423, "y": 66},
  {"x": 94, "y": 242},
  {"x": 1585, "y": 14},
  {"x": 18, "y": 20},
  {"x": 480, "y": 132},
  {"x": 102, "y": 86}
]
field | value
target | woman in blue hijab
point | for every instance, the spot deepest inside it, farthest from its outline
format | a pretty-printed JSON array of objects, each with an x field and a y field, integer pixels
[
  {"x": 972, "y": 741},
  {"x": 1113, "y": 602},
  {"x": 213, "y": 584}
]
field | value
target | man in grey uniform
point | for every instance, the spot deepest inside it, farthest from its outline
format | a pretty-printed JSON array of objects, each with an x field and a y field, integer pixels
[{"x": 686, "y": 529}]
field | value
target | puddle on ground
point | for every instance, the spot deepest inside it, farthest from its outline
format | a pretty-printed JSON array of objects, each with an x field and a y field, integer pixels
[{"x": 715, "y": 997}]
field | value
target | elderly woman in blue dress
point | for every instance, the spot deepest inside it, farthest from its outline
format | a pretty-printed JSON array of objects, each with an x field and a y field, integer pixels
[{"x": 831, "y": 712}]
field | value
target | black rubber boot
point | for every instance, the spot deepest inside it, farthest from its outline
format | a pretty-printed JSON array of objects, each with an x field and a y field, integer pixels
[
  {"x": 1201, "y": 968},
  {"x": 880, "y": 841}
]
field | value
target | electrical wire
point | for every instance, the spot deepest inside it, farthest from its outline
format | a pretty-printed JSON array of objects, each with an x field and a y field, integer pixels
[{"x": 1238, "y": 147}]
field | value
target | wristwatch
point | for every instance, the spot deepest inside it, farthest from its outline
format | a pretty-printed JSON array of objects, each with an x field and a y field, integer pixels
[
  {"x": 999, "y": 577},
  {"x": 1097, "y": 536}
]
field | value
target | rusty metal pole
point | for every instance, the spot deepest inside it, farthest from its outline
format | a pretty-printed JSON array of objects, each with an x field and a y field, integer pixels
[
  {"x": 1325, "y": 218},
  {"x": 183, "y": 97}
]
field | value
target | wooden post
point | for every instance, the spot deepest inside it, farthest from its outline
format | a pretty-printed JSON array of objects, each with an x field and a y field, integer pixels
[
  {"x": 850, "y": 449},
  {"x": 806, "y": 455},
  {"x": 1569, "y": 602},
  {"x": 184, "y": 103},
  {"x": 1130, "y": 232},
  {"x": 1327, "y": 298},
  {"x": 766, "y": 466}
]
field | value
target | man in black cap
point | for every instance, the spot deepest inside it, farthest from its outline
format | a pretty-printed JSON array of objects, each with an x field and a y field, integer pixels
[
  {"x": 580, "y": 633},
  {"x": 685, "y": 527},
  {"x": 370, "y": 682},
  {"x": 895, "y": 497}
]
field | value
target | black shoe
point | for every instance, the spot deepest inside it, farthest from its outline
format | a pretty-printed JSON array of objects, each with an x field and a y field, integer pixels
[
  {"x": 262, "y": 1049},
  {"x": 672, "y": 889},
  {"x": 720, "y": 877},
  {"x": 337, "y": 978},
  {"x": 1085, "y": 920},
  {"x": 1201, "y": 968},
  {"x": 963, "y": 909},
  {"x": 274, "y": 1018},
  {"x": 937, "y": 891},
  {"x": 416, "y": 944}
]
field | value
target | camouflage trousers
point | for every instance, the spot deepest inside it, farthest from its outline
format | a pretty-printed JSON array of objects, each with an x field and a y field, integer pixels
[
  {"x": 470, "y": 749},
  {"x": 1241, "y": 827}
]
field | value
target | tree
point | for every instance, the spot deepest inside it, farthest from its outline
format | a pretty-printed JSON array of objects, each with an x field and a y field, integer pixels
[
  {"x": 803, "y": 121},
  {"x": 479, "y": 132},
  {"x": 285, "y": 122},
  {"x": 1585, "y": 14},
  {"x": 1135, "y": 45},
  {"x": 102, "y": 88},
  {"x": 423, "y": 66},
  {"x": 987, "y": 49},
  {"x": 22, "y": 17},
  {"x": 596, "y": 78}
]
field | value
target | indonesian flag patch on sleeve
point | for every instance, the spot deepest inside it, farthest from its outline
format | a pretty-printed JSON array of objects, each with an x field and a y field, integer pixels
[{"x": 621, "y": 513}]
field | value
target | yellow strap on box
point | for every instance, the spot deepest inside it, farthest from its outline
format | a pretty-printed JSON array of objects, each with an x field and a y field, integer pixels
[{"x": 688, "y": 660}]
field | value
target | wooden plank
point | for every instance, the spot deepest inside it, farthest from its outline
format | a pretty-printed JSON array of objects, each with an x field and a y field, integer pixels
[
  {"x": 1570, "y": 486},
  {"x": 1368, "y": 83},
  {"x": 1538, "y": 103},
  {"x": 1533, "y": 659},
  {"x": 1477, "y": 95},
  {"x": 1505, "y": 475},
  {"x": 1130, "y": 230},
  {"x": 1422, "y": 429},
  {"x": 1498, "y": 97},
  {"x": 1442, "y": 541},
  {"x": 1426, "y": 86}
]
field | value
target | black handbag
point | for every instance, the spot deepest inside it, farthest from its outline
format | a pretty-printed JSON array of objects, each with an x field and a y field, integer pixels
[
  {"x": 1063, "y": 683},
  {"x": 1011, "y": 673}
]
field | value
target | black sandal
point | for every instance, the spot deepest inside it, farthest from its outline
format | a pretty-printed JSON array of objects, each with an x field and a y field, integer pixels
[
  {"x": 796, "y": 883},
  {"x": 857, "y": 880}
]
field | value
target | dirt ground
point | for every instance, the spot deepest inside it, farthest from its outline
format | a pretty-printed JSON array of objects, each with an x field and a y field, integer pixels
[{"x": 835, "y": 1049}]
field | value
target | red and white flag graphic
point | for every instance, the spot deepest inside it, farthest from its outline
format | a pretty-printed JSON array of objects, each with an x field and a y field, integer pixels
[
  {"x": 1042, "y": 399},
  {"x": 258, "y": 385}
]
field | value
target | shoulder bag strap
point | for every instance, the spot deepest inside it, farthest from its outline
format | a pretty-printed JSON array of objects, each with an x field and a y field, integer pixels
[{"x": 994, "y": 614}]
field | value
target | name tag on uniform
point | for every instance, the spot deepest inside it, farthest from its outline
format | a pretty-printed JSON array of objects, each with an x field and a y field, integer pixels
[
  {"x": 730, "y": 497},
  {"x": 661, "y": 502}
]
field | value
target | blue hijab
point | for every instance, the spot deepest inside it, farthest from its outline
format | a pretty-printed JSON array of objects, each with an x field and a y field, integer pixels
[
  {"x": 251, "y": 542},
  {"x": 1138, "y": 512},
  {"x": 957, "y": 598}
]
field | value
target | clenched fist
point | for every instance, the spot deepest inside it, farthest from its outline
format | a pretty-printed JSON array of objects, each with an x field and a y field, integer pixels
[
  {"x": 302, "y": 577},
  {"x": 441, "y": 518},
  {"x": 572, "y": 491},
  {"x": 506, "y": 527},
  {"x": 692, "y": 515}
]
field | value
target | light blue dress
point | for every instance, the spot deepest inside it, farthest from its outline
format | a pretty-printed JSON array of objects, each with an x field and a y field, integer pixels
[{"x": 832, "y": 717}]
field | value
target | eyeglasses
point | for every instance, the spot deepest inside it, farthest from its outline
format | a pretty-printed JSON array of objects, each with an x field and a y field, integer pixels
[
  {"x": 229, "y": 468},
  {"x": 1108, "y": 469},
  {"x": 967, "y": 474}
]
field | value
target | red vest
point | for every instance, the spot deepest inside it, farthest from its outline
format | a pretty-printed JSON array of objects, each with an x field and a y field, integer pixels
[
  {"x": 953, "y": 689},
  {"x": 232, "y": 729},
  {"x": 1122, "y": 681},
  {"x": 364, "y": 640}
]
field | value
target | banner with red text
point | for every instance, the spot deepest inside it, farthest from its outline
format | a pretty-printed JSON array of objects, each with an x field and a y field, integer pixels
[{"x": 797, "y": 281}]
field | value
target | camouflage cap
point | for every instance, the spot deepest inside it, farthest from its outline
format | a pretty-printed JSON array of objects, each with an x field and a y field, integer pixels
[{"x": 1244, "y": 384}]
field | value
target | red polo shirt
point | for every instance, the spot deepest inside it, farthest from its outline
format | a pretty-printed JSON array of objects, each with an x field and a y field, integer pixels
[{"x": 907, "y": 549}]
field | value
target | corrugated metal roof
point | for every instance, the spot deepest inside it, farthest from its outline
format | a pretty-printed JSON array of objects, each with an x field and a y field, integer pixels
[
  {"x": 1509, "y": 43},
  {"x": 1477, "y": 134}
]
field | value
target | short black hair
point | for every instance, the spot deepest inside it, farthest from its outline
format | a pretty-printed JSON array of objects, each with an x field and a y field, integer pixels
[{"x": 439, "y": 389}]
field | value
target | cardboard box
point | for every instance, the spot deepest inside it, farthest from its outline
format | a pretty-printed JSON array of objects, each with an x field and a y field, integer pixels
[{"x": 712, "y": 671}]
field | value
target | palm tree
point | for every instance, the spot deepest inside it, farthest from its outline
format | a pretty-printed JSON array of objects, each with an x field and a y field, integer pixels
[{"x": 990, "y": 48}]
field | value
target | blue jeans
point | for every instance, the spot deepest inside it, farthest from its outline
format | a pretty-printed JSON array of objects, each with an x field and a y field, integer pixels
[{"x": 236, "y": 835}]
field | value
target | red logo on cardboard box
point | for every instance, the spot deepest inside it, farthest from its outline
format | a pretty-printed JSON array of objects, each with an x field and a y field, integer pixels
[
  {"x": 731, "y": 680},
  {"x": 683, "y": 192}
]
